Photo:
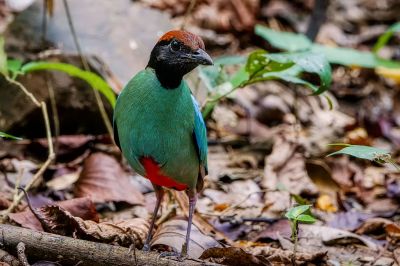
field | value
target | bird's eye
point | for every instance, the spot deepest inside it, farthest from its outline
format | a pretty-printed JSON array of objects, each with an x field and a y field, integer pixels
[{"x": 175, "y": 46}]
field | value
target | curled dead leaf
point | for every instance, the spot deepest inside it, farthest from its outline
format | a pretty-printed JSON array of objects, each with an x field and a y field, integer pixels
[
  {"x": 173, "y": 233},
  {"x": 393, "y": 232},
  {"x": 103, "y": 180},
  {"x": 79, "y": 207},
  {"x": 56, "y": 220}
]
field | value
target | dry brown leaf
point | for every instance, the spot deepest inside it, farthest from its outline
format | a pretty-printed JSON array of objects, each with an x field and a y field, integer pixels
[
  {"x": 396, "y": 255},
  {"x": 103, "y": 180},
  {"x": 393, "y": 232},
  {"x": 287, "y": 167},
  {"x": 271, "y": 231},
  {"x": 373, "y": 225},
  {"x": 79, "y": 207},
  {"x": 126, "y": 233},
  {"x": 350, "y": 220},
  {"x": 232, "y": 256},
  {"x": 219, "y": 15},
  {"x": 330, "y": 236},
  {"x": 173, "y": 234},
  {"x": 63, "y": 182}
]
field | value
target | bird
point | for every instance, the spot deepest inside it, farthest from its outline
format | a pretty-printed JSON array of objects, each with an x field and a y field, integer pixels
[{"x": 158, "y": 124}]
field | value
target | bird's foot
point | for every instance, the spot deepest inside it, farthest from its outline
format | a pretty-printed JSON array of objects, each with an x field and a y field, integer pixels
[
  {"x": 146, "y": 248},
  {"x": 173, "y": 255}
]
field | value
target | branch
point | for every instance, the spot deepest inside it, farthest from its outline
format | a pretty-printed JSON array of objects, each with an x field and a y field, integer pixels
[
  {"x": 318, "y": 17},
  {"x": 66, "y": 250}
]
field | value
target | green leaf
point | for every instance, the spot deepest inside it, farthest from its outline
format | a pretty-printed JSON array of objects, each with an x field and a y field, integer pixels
[
  {"x": 287, "y": 41},
  {"x": 14, "y": 66},
  {"x": 352, "y": 57},
  {"x": 94, "y": 80},
  {"x": 230, "y": 60},
  {"x": 305, "y": 218},
  {"x": 337, "y": 55},
  {"x": 294, "y": 212},
  {"x": 384, "y": 38},
  {"x": 8, "y": 136},
  {"x": 363, "y": 152},
  {"x": 299, "y": 199},
  {"x": 262, "y": 66}
]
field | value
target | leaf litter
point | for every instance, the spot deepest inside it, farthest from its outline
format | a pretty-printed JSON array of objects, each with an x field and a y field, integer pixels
[{"x": 267, "y": 151}]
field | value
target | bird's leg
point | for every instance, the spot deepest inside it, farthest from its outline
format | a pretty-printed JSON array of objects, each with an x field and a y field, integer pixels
[
  {"x": 159, "y": 194},
  {"x": 192, "y": 194}
]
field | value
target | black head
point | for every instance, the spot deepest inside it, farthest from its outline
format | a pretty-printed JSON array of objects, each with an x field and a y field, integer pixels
[{"x": 176, "y": 54}]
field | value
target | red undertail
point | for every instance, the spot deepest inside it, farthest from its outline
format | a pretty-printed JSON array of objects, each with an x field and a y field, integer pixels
[{"x": 154, "y": 174}]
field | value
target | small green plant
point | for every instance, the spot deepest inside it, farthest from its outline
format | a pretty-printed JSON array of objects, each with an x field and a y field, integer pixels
[
  {"x": 297, "y": 42},
  {"x": 262, "y": 66},
  {"x": 366, "y": 152},
  {"x": 8, "y": 136},
  {"x": 384, "y": 38},
  {"x": 296, "y": 215},
  {"x": 16, "y": 68}
]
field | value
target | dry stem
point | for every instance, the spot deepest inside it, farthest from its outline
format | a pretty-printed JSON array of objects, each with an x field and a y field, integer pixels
[
  {"x": 17, "y": 199},
  {"x": 99, "y": 101}
]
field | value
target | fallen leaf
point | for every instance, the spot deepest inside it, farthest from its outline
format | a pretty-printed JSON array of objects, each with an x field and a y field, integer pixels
[
  {"x": 393, "y": 232},
  {"x": 326, "y": 203},
  {"x": 281, "y": 227},
  {"x": 396, "y": 254},
  {"x": 373, "y": 225},
  {"x": 332, "y": 236},
  {"x": 232, "y": 256},
  {"x": 103, "y": 180},
  {"x": 125, "y": 233},
  {"x": 173, "y": 233},
  {"x": 350, "y": 220},
  {"x": 287, "y": 167},
  {"x": 78, "y": 207},
  {"x": 63, "y": 182}
]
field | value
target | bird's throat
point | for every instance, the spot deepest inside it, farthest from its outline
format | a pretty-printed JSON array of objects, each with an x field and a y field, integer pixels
[{"x": 169, "y": 78}]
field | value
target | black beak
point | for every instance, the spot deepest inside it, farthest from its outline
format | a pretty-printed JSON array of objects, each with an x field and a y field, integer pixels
[{"x": 201, "y": 57}]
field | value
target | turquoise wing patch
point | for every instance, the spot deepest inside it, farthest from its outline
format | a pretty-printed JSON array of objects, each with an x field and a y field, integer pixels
[{"x": 200, "y": 134}]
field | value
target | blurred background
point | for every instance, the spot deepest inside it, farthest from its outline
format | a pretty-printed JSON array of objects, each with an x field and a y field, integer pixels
[{"x": 268, "y": 137}]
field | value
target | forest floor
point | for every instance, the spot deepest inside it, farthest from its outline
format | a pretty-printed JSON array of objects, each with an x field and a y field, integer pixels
[{"x": 268, "y": 144}]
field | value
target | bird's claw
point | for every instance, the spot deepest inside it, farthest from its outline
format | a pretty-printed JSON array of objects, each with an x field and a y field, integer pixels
[
  {"x": 173, "y": 255},
  {"x": 146, "y": 248}
]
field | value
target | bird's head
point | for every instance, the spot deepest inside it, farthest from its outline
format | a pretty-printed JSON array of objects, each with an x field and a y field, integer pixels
[{"x": 176, "y": 54}]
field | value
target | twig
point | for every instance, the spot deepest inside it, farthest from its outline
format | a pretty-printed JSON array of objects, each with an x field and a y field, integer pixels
[
  {"x": 51, "y": 154},
  {"x": 67, "y": 250},
  {"x": 18, "y": 182},
  {"x": 85, "y": 64},
  {"x": 54, "y": 111},
  {"x": 317, "y": 18},
  {"x": 21, "y": 254},
  {"x": 188, "y": 12}
]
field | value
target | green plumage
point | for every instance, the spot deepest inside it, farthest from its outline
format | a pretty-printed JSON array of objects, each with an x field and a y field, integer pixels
[{"x": 159, "y": 123}]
